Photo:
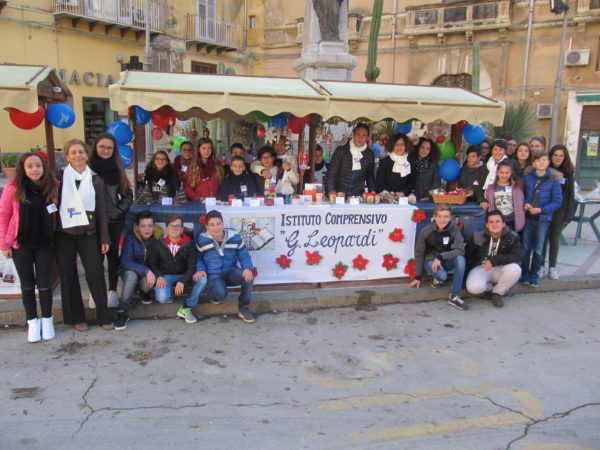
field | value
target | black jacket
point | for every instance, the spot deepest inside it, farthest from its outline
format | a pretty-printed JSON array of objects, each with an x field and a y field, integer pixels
[
  {"x": 117, "y": 204},
  {"x": 231, "y": 185},
  {"x": 426, "y": 182},
  {"x": 341, "y": 177},
  {"x": 509, "y": 249},
  {"x": 162, "y": 262},
  {"x": 569, "y": 204},
  {"x": 153, "y": 176},
  {"x": 474, "y": 178},
  {"x": 392, "y": 182},
  {"x": 434, "y": 243}
]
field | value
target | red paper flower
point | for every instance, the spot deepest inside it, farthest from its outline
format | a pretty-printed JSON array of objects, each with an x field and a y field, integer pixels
[
  {"x": 390, "y": 262},
  {"x": 313, "y": 258},
  {"x": 397, "y": 235},
  {"x": 255, "y": 272},
  {"x": 360, "y": 263},
  {"x": 418, "y": 215},
  {"x": 339, "y": 270},
  {"x": 202, "y": 219},
  {"x": 283, "y": 261},
  {"x": 409, "y": 269}
]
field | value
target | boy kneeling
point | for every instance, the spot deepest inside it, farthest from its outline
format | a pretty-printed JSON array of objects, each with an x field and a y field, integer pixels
[
  {"x": 173, "y": 261},
  {"x": 439, "y": 249},
  {"x": 220, "y": 251}
]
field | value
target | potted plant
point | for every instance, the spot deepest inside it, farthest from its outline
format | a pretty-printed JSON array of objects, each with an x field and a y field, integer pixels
[{"x": 9, "y": 164}]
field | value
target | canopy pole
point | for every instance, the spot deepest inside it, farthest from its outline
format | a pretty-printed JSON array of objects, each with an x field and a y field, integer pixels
[
  {"x": 138, "y": 133},
  {"x": 312, "y": 145},
  {"x": 300, "y": 150},
  {"x": 49, "y": 141}
]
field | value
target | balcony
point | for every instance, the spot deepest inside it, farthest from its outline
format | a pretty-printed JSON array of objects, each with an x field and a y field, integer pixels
[
  {"x": 457, "y": 17},
  {"x": 124, "y": 15},
  {"x": 211, "y": 34}
]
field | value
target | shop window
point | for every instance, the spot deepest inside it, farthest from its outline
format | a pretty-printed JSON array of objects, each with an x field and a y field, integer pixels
[
  {"x": 426, "y": 17},
  {"x": 458, "y": 14},
  {"x": 251, "y": 21},
  {"x": 489, "y": 11},
  {"x": 200, "y": 67},
  {"x": 594, "y": 4},
  {"x": 97, "y": 116}
]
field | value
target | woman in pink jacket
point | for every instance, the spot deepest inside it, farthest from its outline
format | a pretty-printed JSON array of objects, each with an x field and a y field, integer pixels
[{"x": 27, "y": 224}]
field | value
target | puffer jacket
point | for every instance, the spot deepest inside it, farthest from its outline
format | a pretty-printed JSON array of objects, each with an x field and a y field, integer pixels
[
  {"x": 9, "y": 217},
  {"x": 509, "y": 250},
  {"x": 215, "y": 259},
  {"x": 550, "y": 198},
  {"x": 341, "y": 177},
  {"x": 135, "y": 253},
  {"x": 434, "y": 243}
]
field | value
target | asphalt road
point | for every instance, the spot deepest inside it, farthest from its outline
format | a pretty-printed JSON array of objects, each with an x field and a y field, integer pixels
[{"x": 405, "y": 376}]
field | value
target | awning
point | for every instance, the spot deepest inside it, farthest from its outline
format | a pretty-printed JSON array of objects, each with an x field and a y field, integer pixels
[
  {"x": 235, "y": 96},
  {"x": 22, "y": 86},
  {"x": 588, "y": 96}
]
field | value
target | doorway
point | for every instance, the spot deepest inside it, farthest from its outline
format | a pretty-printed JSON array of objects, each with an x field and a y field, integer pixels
[
  {"x": 588, "y": 160},
  {"x": 97, "y": 116}
]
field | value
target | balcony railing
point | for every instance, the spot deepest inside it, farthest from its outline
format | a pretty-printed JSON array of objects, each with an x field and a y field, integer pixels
[
  {"x": 204, "y": 31},
  {"x": 123, "y": 13}
]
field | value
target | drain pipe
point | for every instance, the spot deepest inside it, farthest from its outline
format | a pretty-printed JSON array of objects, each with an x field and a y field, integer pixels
[
  {"x": 527, "y": 48},
  {"x": 394, "y": 41}
]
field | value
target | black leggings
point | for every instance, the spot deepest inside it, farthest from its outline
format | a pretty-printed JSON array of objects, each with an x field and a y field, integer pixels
[
  {"x": 34, "y": 267},
  {"x": 114, "y": 231}
]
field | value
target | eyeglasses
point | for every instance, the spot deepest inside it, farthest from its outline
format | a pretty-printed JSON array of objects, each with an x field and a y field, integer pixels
[
  {"x": 160, "y": 159},
  {"x": 174, "y": 227},
  {"x": 106, "y": 147}
]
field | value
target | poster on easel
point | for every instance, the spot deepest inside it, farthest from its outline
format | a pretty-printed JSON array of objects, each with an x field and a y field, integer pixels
[
  {"x": 592, "y": 146},
  {"x": 9, "y": 280}
]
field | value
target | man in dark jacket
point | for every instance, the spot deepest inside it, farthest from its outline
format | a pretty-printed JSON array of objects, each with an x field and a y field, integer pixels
[
  {"x": 352, "y": 165},
  {"x": 473, "y": 175},
  {"x": 495, "y": 255},
  {"x": 173, "y": 261},
  {"x": 134, "y": 265}
]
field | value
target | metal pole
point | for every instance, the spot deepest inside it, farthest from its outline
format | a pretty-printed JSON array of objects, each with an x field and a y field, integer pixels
[
  {"x": 558, "y": 83},
  {"x": 148, "y": 67},
  {"x": 527, "y": 49}
]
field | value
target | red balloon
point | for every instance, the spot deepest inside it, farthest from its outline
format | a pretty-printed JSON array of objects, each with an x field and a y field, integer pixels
[
  {"x": 461, "y": 124},
  {"x": 27, "y": 121},
  {"x": 157, "y": 133},
  {"x": 163, "y": 116},
  {"x": 440, "y": 139}
]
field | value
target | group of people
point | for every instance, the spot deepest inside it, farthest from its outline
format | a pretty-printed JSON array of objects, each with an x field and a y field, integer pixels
[{"x": 81, "y": 212}]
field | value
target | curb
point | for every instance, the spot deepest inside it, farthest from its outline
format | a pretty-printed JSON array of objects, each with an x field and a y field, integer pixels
[{"x": 364, "y": 297}]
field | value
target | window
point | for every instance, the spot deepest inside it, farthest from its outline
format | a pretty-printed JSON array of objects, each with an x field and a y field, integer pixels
[
  {"x": 485, "y": 11},
  {"x": 463, "y": 80},
  {"x": 251, "y": 21},
  {"x": 458, "y": 14},
  {"x": 426, "y": 17},
  {"x": 205, "y": 20},
  {"x": 200, "y": 67},
  {"x": 594, "y": 4}
]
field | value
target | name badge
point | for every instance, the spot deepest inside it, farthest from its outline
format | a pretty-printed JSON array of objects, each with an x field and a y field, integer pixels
[
  {"x": 340, "y": 201},
  {"x": 237, "y": 203},
  {"x": 166, "y": 201},
  {"x": 354, "y": 201},
  {"x": 210, "y": 201},
  {"x": 508, "y": 189},
  {"x": 161, "y": 182},
  {"x": 243, "y": 188},
  {"x": 51, "y": 208},
  {"x": 475, "y": 183},
  {"x": 278, "y": 201},
  {"x": 254, "y": 202},
  {"x": 446, "y": 240},
  {"x": 273, "y": 180},
  {"x": 563, "y": 181},
  {"x": 184, "y": 169}
]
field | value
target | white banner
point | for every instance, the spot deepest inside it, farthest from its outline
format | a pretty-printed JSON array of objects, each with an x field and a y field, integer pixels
[{"x": 325, "y": 242}]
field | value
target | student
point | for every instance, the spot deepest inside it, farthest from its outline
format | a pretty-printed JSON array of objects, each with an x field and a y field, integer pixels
[
  {"x": 83, "y": 231},
  {"x": 395, "y": 174},
  {"x": 220, "y": 251},
  {"x": 173, "y": 263},
  {"x": 511, "y": 146},
  {"x": 204, "y": 176},
  {"x": 239, "y": 183},
  {"x": 27, "y": 218},
  {"x": 473, "y": 175},
  {"x": 498, "y": 154},
  {"x": 106, "y": 162},
  {"x": 183, "y": 160},
  {"x": 320, "y": 167},
  {"x": 424, "y": 160},
  {"x": 484, "y": 151},
  {"x": 543, "y": 196},
  {"x": 505, "y": 194},
  {"x": 495, "y": 256},
  {"x": 135, "y": 257},
  {"x": 439, "y": 249},
  {"x": 275, "y": 173},
  {"x": 160, "y": 178},
  {"x": 283, "y": 159},
  {"x": 523, "y": 158},
  {"x": 236, "y": 149},
  {"x": 537, "y": 144}
]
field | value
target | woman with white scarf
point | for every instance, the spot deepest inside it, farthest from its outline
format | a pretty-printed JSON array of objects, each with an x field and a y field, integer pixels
[
  {"x": 83, "y": 231},
  {"x": 352, "y": 165},
  {"x": 395, "y": 174}
]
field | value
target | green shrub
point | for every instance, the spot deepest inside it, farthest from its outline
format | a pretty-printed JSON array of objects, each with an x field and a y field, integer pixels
[{"x": 9, "y": 159}]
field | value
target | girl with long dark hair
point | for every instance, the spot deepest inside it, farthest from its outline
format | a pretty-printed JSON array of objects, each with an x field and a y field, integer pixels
[
  {"x": 204, "y": 175},
  {"x": 424, "y": 160},
  {"x": 159, "y": 177}
]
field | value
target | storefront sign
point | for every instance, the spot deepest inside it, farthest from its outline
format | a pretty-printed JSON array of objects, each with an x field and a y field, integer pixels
[
  {"x": 325, "y": 243},
  {"x": 87, "y": 78}
]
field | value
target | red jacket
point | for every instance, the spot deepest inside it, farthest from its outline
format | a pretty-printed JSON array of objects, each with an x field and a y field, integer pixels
[
  {"x": 207, "y": 184},
  {"x": 9, "y": 217}
]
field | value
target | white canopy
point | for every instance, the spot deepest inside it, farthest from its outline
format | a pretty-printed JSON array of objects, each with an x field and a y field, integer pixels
[{"x": 234, "y": 96}]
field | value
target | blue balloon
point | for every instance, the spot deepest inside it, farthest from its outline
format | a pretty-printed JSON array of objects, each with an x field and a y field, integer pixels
[
  {"x": 142, "y": 117},
  {"x": 60, "y": 115},
  {"x": 278, "y": 121},
  {"x": 404, "y": 127},
  {"x": 474, "y": 134},
  {"x": 177, "y": 153},
  {"x": 450, "y": 170},
  {"x": 121, "y": 132},
  {"x": 376, "y": 149},
  {"x": 126, "y": 154}
]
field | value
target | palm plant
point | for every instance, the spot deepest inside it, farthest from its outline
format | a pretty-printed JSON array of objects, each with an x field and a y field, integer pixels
[{"x": 519, "y": 122}]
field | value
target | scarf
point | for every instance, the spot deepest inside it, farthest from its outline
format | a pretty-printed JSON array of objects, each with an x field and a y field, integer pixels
[
  {"x": 107, "y": 169},
  {"x": 174, "y": 247},
  {"x": 492, "y": 166},
  {"x": 74, "y": 202},
  {"x": 422, "y": 165},
  {"x": 401, "y": 164},
  {"x": 356, "y": 153}
]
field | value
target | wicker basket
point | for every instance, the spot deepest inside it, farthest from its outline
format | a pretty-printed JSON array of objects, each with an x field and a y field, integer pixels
[{"x": 450, "y": 199}]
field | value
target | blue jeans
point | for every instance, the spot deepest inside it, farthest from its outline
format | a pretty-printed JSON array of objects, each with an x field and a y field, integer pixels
[
  {"x": 457, "y": 265},
  {"x": 534, "y": 235},
  {"x": 218, "y": 282},
  {"x": 131, "y": 280},
  {"x": 164, "y": 295}
]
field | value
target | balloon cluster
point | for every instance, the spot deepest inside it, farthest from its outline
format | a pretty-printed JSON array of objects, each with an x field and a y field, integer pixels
[
  {"x": 60, "y": 115},
  {"x": 123, "y": 135}
]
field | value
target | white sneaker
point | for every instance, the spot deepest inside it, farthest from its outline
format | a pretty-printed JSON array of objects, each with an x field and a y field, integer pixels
[
  {"x": 553, "y": 273},
  {"x": 91, "y": 303},
  {"x": 34, "y": 333},
  {"x": 542, "y": 272},
  {"x": 113, "y": 299},
  {"x": 48, "y": 328}
]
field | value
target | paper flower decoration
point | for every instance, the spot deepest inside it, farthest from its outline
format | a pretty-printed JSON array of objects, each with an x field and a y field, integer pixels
[
  {"x": 360, "y": 263},
  {"x": 418, "y": 215},
  {"x": 255, "y": 272},
  {"x": 270, "y": 135},
  {"x": 283, "y": 261},
  {"x": 202, "y": 219},
  {"x": 390, "y": 262},
  {"x": 313, "y": 258},
  {"x": 397, "y": 235},
  {"x": 409, "y": 269},
  {"x": 339, "y": 270}
]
